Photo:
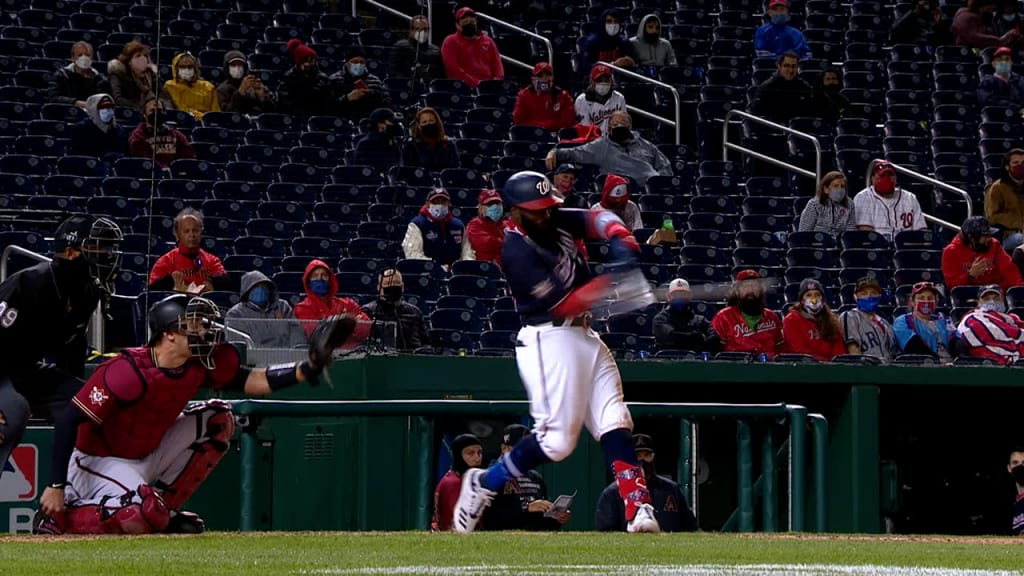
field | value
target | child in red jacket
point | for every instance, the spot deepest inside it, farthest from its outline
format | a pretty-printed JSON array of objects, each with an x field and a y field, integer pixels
[{"x": 811, "y": 327}]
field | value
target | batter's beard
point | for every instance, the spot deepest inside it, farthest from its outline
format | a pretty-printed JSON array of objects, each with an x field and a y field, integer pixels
[{"x": 545, "y": 236}]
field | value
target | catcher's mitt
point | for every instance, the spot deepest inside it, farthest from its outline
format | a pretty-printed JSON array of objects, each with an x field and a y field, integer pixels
[{"x": 330, "y": 333}]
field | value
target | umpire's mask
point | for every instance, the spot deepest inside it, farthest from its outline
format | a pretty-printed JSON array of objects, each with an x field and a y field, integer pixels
[
  {"x": 204, "y": 329},
  {"x": 98, "y": 240}
]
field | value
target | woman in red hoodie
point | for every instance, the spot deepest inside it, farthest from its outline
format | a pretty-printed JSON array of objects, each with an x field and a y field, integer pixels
[
  {"x": 486, "y": 232},
  {"x": 811, "y": 327},
  {"x": 321, "y": 302}
]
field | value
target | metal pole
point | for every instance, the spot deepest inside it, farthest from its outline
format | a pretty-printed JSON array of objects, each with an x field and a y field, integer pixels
[
  {"x": 726, "y": 146},
  {"x": 819, "y": 429},
  {"x": 547, "y": 43},
  {"x": 675, "y": 97},
  {"x": 744, "y": 478},
  {"x": 769, "y": 498},
  {"x": 424, "y": 433},
  {"x": 797, "y": 464},
  {"x": 694, "y": 477},
  {"x": 768, "y": 159},
  {"x": 686, "y": 463},
  {"x": 247, "y": 484}
]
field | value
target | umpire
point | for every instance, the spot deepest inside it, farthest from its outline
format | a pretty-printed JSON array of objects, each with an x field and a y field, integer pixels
[
  {"x": 670, "y": 508},
  {"x": 44, "y": 311}
]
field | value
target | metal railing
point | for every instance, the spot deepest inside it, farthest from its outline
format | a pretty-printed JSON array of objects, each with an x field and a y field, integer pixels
[
  {"x": 534, "y": 35},
  {"x": 677, "y": 123},
  {"x": 250, "y": 412},
  {"x": 393, "y": 12},
  {"x": 932, "y": 181},
  {"x": 726, "y": 145}
]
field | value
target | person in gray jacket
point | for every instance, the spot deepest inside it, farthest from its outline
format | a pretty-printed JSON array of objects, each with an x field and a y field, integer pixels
[
  {"x": 831, "y": 209},
  {"x": 621, "y": 151},
  {"x": 650, "y": 48},
  {"x": 263, "y": 315}
]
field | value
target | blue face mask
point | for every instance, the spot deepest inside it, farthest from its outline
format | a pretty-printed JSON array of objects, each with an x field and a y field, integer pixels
[
  {"x": 993, "y": 306},
  {"x": 780, "y": 19},
  {"x": 868, "y": 304},
  {"x": 357, "y": 69},
  {"x": 1002, "y": 67},
  {"x": 678, "y": 304},
  {"x": 318, "y": 287},
  {"x": 259, "y": 296},
  {"x": 494, "y": 211}
]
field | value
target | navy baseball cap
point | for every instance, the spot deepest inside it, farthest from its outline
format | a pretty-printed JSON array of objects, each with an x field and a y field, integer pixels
[
  {"x": 978, "y": 226},
  {"x": 530, "y": 191},
  {"x": 562, "y": 168}
]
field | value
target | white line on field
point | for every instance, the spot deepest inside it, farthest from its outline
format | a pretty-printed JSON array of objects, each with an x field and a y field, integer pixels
[{"x": 665, "y": 570}]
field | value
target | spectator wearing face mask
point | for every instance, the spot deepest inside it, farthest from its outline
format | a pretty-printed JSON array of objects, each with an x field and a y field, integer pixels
[
  {"x": 543, "y": 104},
  {"x": 428, "y": 146},
  {"x": 74, "y": 83},
  {"x": 608, "y": 43},
  {"x": 830, "y": 210},
  {"x": 595, "y": 105},
  {"x": 615, "y": 197},
  {"x": 467, "y": 452},
  {"x": 1004, "y": 200},
  {"x": 469, "y": 54},
  {"x": 973, "y": 27},
  {"x": 1003, "y": 87},
  {"x": 486, "y": 232},
  {"x": 827, "y": 99},
  {"x": 746, "y": 325},
  {"x": 975, "y": 258},
  {"x": 776, "y": 37},
  {"x": 380, "y": 146},
  {"x": 99, "y": 135},
  {"x": 1006, "y": 19},
  {"x": 304, "y": 90},
  {"x": 620, "y": 151},
  {"x": 133, "y": 78},
  {"x": 359, "y": 92},
  {"x": 885, "y": 207},
  {"x": 410, "y": 329},
  {"x": 651, "y": 50},
  {"x": 563, "y": 183},
  {"x": 785, "y": 95},
  {"x": 263, "y": 315},
  {"x": 989, "y": 332},
  {"x": 241, "y": 91},
  {"x": 414, "y": 56},
  {"x": 154, "y": 139},
  {"x": 187, "y": 90},
  {"x": 924, "y": 331},
  {"x": 810, "y": 327},
  {"x": 677, "y": 326},
  {"x": 322, "y": 300},
  {"x": 864, "y": 331},
  {"x": 435, "y": 234},
  {"x": 923, "y": 25}
]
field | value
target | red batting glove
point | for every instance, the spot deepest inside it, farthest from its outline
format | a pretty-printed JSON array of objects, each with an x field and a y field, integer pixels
[{"x": 618, "y": 230}]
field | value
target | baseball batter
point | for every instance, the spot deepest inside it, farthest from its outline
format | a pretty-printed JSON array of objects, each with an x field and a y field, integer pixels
[{"x": 569, "y": 374}]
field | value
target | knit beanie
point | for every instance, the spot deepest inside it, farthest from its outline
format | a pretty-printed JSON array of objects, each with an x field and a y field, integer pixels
[{"x": 299, "y": 51}]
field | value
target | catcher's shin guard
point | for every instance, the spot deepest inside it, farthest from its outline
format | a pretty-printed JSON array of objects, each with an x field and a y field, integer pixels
[
  {"x": 629, "y": 478},
  {"x": 205, "y": 454},
  {"x": 148, "y": 515}
]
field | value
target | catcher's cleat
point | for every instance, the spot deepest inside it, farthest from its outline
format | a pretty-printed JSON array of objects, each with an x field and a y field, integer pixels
[
  {"x": 473, "y": 500},
  {"x": 644, "y": 520},
  {"x": 185, "y": 523},
  {"x": 43, "y": 524}
]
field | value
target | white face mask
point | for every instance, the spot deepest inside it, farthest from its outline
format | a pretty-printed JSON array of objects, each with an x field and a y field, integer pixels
[
  {"x": 603, "y": 88},
  {"x": 106, "y": 115},
  {"x": 186, "y": 74},
  {"x": 83, "y": 62},
  {"x": 420, "y": 36},
  {"x": 236, "y": 72},
  {"x": 611, "y": 29},
  {"x": 438, "y": 211}
]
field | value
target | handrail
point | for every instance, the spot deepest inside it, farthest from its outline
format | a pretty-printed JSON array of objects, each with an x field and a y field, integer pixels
[
  {"x": 675, "y": 96},
  {"x": 392, "y": 11},
  {"x": 726, "y": 145},
  {"x": 534, "y": 35},
  {"x": 929, "y": 180}
]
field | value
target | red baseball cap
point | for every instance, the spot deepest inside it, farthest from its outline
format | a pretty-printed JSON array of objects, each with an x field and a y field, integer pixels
[
  {"x": 922, "y": 286},
  {"x": 463, "y": 12},
  {"x": 488, "y": 196},
  {"x": 772, "y": 3},
  {"x": 540, "y": 68},
  {"x": 599, "y": 70},
  {"x": 882, "y": 166},
  {"x": 747, "y": 274},
  {"x": 1002, "y": 51}
]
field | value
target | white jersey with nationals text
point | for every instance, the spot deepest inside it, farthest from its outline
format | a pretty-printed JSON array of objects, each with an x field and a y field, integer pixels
[
  {"x": 590, "y": 113},
  {"x": 888, "y": 216}
]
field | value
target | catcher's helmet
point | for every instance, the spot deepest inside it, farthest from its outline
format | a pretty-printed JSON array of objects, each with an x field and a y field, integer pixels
[
  {"x": 99, "y": 240},
  {"x": 199, "y": 318},
  {"x": 530, "y": 191}
]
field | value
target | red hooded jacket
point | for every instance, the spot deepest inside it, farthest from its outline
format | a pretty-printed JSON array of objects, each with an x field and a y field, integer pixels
[
  {"x": 471, "y": 59},
  {"x": 313, "y": 308},
  {"x": 957, "y": 258},
  {"x": 802, "y": 337},
  {"x": 485, "y": 236},
  {"x": 552, "y": 111}
]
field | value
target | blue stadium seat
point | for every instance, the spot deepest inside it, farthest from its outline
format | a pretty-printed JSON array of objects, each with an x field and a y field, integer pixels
[
  {"x": 809, "y": 257},
  {"x": 917, "y": 259},
  {"x": 289, "y": 282},
  {"x": 142, "y": 168},
  {"x": 423, "y": 286},
  {"x": 473, "y": 286},
  {"x": 819, "y": 240},
  {"x": 249, "y": 262},
  {"x": 475, "y": 268},
  {"x": 265, "y": 246},
  {"x": 864, "y": 258},
  {"x": 367, "y": 248},
  {"x": 337, "y": 212},
  {"x": 497, "y": 338},
  {"x": 412, "y": 267},
  {"x": 863, "y": 239},
  {"x": 356, "y": 175}
]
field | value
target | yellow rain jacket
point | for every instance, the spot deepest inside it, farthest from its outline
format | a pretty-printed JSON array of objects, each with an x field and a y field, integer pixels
[{"x": 195, "y": 97}]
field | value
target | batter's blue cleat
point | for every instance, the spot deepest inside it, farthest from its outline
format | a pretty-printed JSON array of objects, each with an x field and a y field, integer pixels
[{"x": 473, "y": 500}]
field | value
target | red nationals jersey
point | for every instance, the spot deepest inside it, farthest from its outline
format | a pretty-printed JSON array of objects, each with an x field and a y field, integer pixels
[
  {"x": 130, "y": 403},
  {"x": 737, "y": 336}
]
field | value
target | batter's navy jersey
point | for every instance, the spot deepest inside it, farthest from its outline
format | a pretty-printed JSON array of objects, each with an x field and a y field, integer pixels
[{"x": 540, "y": 277}]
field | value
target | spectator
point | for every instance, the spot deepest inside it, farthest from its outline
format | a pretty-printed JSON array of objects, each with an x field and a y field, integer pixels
[
  {"x": 304, "y": 90},
  {"x": 435, "y": 234},
  {"x": 99, "y": 135},
  {"x": 429, "y": 146},
  {"x": 522, "y": 503},
  {"x": 469, "y": 54},
  {"x": 975, "y": 258},
  {"x": 864, "y": 331},
  {"x": 133, "y": 78},
  {"x": 74, "y": 83},
  {"x": 746, "y": 325},
  {"x": 543, "y": 104},
  {"x": 972, "y": 26},
  {"x": 922, "y": 330},
  {"x": 410, "y": 330},
  {"x": 784, "y": 96},
  {"x": 359, "y": 92},
  {"x": 651, "y": 50},
  {"x": 615, "y": 197},
  {"x": 186, "y": 88},
  {"x": 670, "y": 506},
  {"x": 467, "y": 452},
  {"x": 263, "y": 315},
  {"x": 923, "y": 25},
  {"x": 152, "y": 138},
  {"x": 321, "y": 301},
  {"x": 607, "y": 43},
  {"x": 1007, "y": 19},
  {"x": 811, "y": 327},
  {"x": 1016, "y": 469},
  {"x": 776, "y": 37},
  {"x": 620, "y": 151},
  {"x": 1004, "y": 200},
  {"x": 187, "y": 267},
  {"x": 1003, "y": 87},
  {"x": 415, "y": 57},
  {"x": 830, "y": 210},
  {"x": 563, "y": 180},
  {"x": 885, "y": 207},
  {"x": 989, "y": 332},
  {"x": 380, "y": 146},
  {"x": 242, "y": 91},
  {"x": 677, "y": 326},
  {"x": 595, "y": 105},
  {"x": 486, "y": 232},
  {"x": 827, "y": 98}
]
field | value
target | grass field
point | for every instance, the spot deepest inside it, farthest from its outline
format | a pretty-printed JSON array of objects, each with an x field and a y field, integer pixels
[{"x": 508, "y": 554}]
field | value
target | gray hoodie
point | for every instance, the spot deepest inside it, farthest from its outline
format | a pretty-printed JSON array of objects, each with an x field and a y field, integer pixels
[
  {"x": 92, "y": 109},
  {"x": 272, "y": 327},
  {"x": 659, "y": 53},
  {"x": 638, "y": 158}
]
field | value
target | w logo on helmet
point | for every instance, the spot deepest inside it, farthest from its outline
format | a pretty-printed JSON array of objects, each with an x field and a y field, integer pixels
[{"x": 544, "y": 187}]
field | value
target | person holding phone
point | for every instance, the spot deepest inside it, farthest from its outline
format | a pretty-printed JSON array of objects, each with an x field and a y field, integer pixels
[
  {"x": 359, "y": 92},
  {"x": 242, "y": 91}
]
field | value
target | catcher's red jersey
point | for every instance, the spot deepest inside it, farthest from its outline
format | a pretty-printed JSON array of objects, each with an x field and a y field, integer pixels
[{"x": 130, "y": 403}]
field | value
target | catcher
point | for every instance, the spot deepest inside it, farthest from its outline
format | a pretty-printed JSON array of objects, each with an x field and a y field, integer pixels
[{"x": 131, "y": 453}]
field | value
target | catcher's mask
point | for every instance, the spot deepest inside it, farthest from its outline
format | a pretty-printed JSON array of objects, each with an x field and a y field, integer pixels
[
  {"x": 204, "y": 328},
  {"x": 99, "y": 240}
]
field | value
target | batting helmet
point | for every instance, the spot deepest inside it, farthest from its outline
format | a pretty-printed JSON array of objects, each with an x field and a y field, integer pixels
[
  {"x": 530, "y": 191},
  {"x": 199, "y": 318}
]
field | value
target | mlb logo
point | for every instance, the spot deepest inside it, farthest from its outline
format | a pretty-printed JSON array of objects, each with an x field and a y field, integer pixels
[{"x": 18, "y": 483}]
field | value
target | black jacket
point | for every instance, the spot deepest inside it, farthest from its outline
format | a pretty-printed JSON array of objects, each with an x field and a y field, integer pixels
[
  {"x": 508, "y": 509},
  {"x": 405, "y": 61},
  {"x": 411, "y": 330},
  {"x": 306, "y": 94},
  {"x": 376, "y": 97},
  {"x": 781, "y": 100},
  {"x": 670, "y": 508},
  {"x": 67, "y": 87},
  {"x": 681, "y": 330},
  {"x": 829, "y": 106}
]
